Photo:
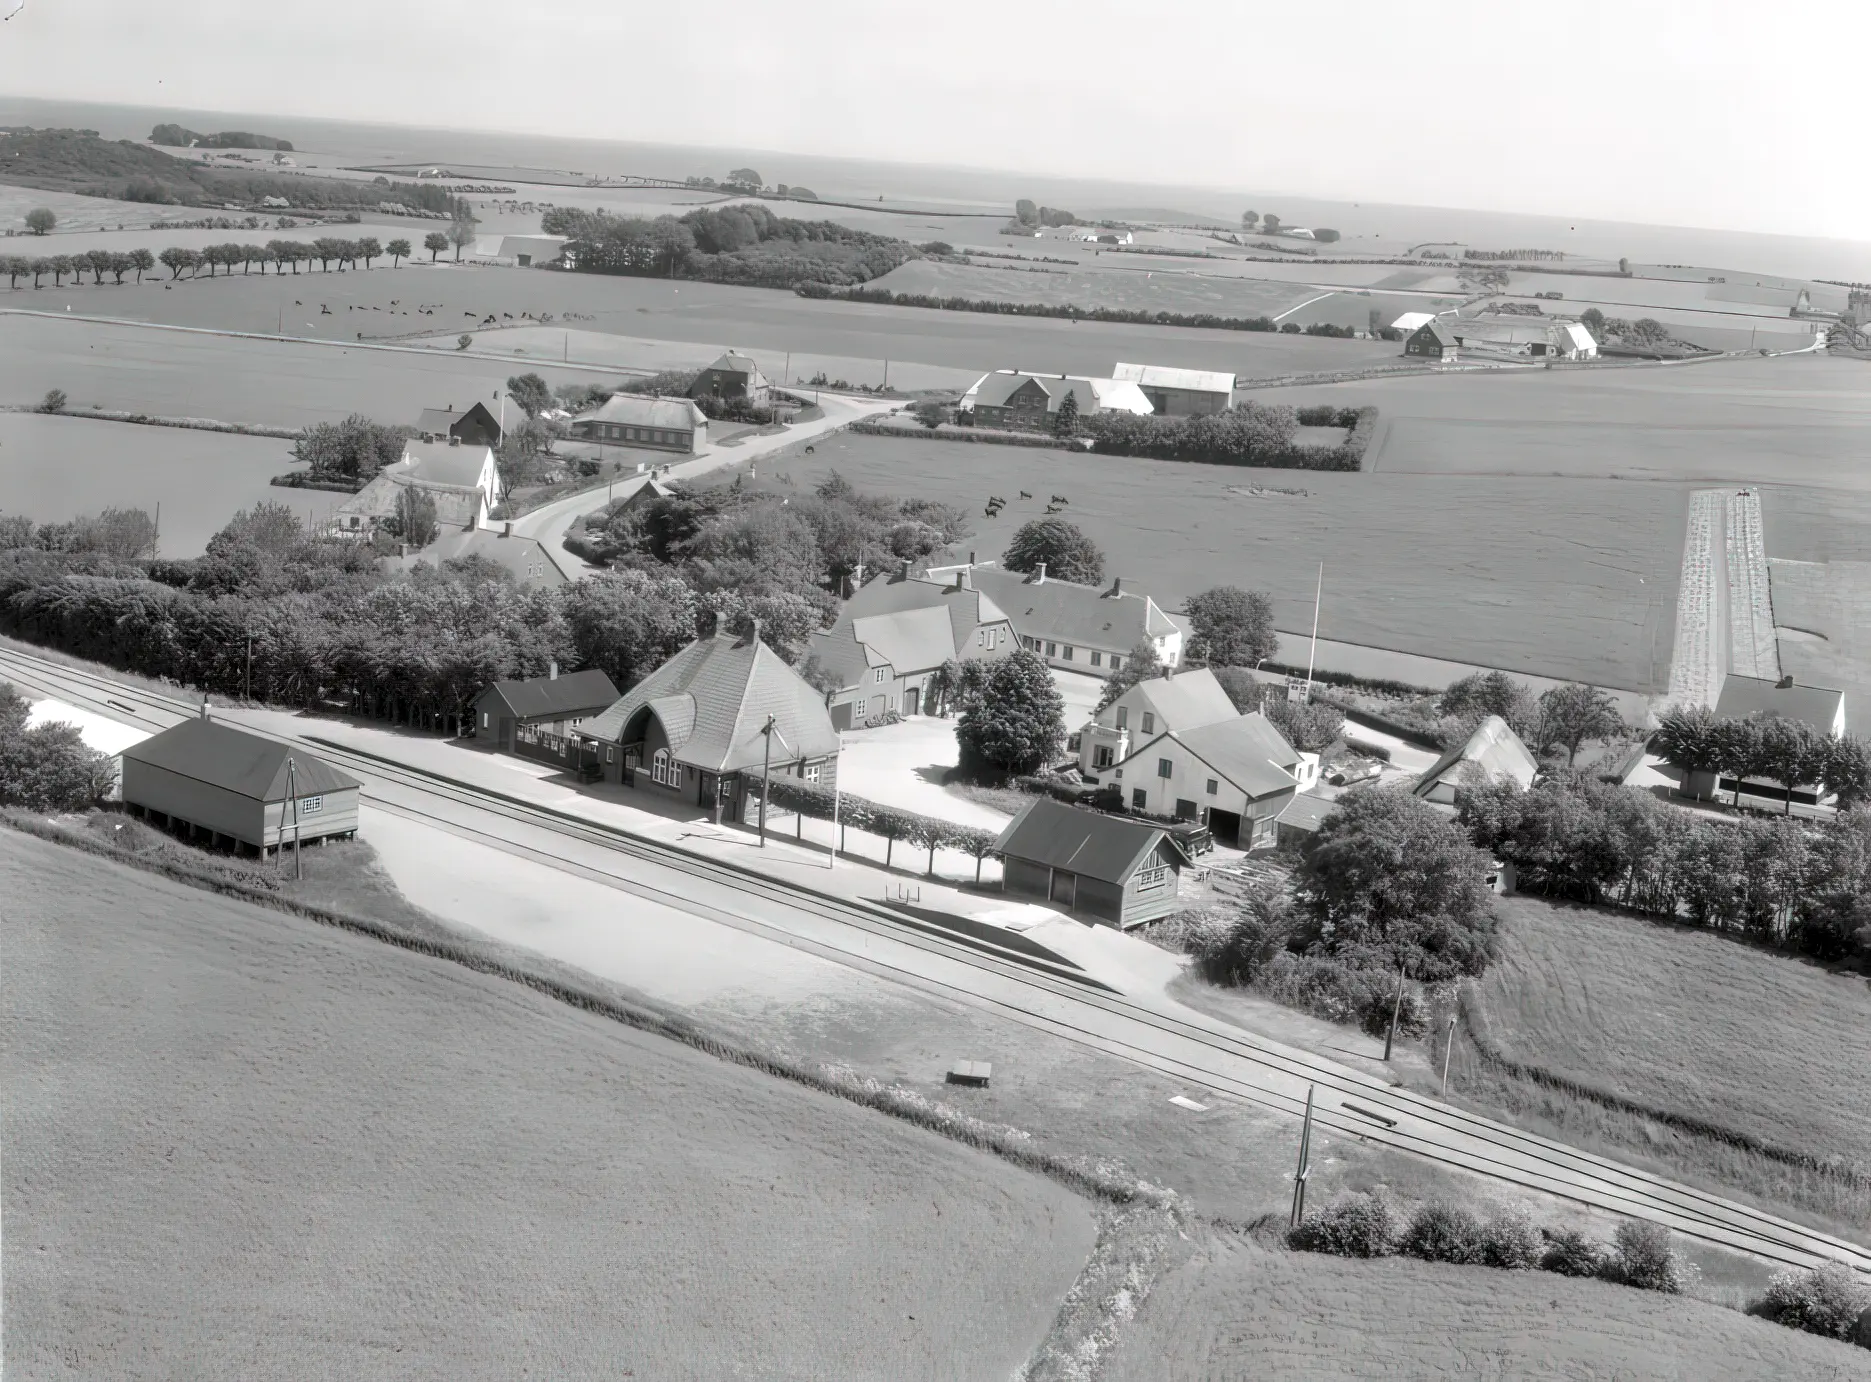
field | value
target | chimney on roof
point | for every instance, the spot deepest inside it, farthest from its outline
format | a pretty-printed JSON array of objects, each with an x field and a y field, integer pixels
[
  {"x": 753, "y": 630},
  {"x": 1039, "y": 574},
  {"x": 506, "y": 529},
  {"x": 1785, "y": 683},
  {"x": 204, "y": 707},
  {"x": 903, "y": 569},
  {"x": 552, "y": 671},
  {"x": 964, "y": 578},
  {"x": 1117, "y": 586},
  {"x": 453, "y": 440},
  {"x": 971, "y": 559}
]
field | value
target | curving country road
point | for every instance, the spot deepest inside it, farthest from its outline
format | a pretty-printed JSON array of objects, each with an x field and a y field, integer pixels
[{"x": 1156, "y": 1033}]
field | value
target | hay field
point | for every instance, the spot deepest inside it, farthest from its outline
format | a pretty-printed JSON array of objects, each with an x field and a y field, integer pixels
[
  {"x": 1822, "y": 614},
  {"x": 59, "y": 467},
  {"x": 712, "y": 315},
  {"x": 244, "y": 1145},
  {"x": 1686, "y": 1021},
  {"x": 1793, "y": 420},
  {"x": 1235, "y": 1309},
  {"x": 75, "y": 213},
  {"x": 1560, "y": 578}
]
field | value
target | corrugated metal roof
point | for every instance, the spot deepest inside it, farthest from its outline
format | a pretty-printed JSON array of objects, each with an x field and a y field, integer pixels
[
  {"x": 1170, "y": 377},
  {"x": 531, "y": 697},
  {"x": 713, "y": 699},
  {"x": 1076, "y": 614},
  {"x": 236, "y": 761},
  {"x": 1052, "y": 834},
  {"x": 1742, "y": 696},
  {"x": 1494, "y": 748}
]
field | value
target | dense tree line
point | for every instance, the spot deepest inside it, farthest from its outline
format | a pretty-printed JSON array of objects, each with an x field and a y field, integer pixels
[
  {"x": 1793, "y": 754},
  {"x": 1255, "y": 434},
  {"x": 736, "y": 244},
  {"x": 46, "y": 767},
  {"x": 1800, "y": 884}
]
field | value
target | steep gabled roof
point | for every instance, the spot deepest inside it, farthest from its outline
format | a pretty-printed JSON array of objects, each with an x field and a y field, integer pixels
[
  {"x": 713, "y": 699},
  {"x": 531, "y": 697},
  {"x": 236, "y": 761},
  {"x": 874, "y": 626},
  {"x": 909, "y": 640},
  {"x": 462, "y": 465},
  {"x": 733, "y": 362},
  {"x": 1437, "y": 332},
  {"x": 1246, "y": 750},
  {"x": 1495, "y": 750},
  {"x": 1183, "y": 701},
  {"x": 1107, "y": 848},
  {"x": 438, "y": 421}
]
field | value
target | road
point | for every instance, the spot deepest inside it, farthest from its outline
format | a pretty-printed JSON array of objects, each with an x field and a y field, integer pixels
[
  {"x": 1154, "y": 1032},
  {"x": 550, "y": 522}
]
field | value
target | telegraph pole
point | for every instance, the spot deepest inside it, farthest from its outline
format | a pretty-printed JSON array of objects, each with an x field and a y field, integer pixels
[
  {"x": 1305, "y": 1162},
  {"x": 1396, "y": 1010},
  {"x": 1447, "y": 1052},
  {"x": 837, "y": 799},
  {"x": 766, "y": 779},
  {"x": 292, "y": 790}
]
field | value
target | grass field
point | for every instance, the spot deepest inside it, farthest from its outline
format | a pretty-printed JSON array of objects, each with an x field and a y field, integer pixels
[
  {"x": 244, "y": 1145},
  {"x": 59, "y": 467},
  {"x": 1562, "y": 578},
  {"x": 1689, "y": 1022},
  {"x": 1130, "y": 286},
  {"x": 709, "y": 314},
  {"x": 1234, "y": 1309}
]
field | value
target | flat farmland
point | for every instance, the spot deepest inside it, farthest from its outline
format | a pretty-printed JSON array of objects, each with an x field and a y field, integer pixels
[
  {"x": 1234, "y": 1309},
  {"x": 386, "y": 303},
  {"x": 1822, "y": 614},
  {"x": 1794, "y": 420},
  {"x": 1560, "y": 578},
  {"x": 74, "y": 213},
  {"x": 242, "y": 1145},
  {"x": 189, "y": 374},
  {"x": 59, "y": 467},
  {"x": 1687, "y": 1021}
]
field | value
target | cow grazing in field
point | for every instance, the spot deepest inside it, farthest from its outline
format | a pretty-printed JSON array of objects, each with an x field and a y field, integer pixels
[
  {"x": 1026, "y": 494},
  {"x": 1060, "y": 499}
]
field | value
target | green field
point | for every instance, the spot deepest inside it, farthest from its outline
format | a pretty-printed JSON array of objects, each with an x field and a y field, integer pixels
[
  {"x": 240, "y": 1144},
  {"x": 1561, "y": 578},
  {"x": 1689, "y": 1022},
  {"x": 1131, "y": 287},
  {"x": 1234, "y": 1309}
]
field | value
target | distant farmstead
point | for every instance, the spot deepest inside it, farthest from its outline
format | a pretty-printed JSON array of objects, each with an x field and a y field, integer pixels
[
  {"x": 1431, "y": 341},
  {"x": 206, "y": 780},
  {"x": 462, "y": 480},
  {"x": 1535, "y": 337},
  {"x": 1180, "y": 392},
  {"x": 1030, "y": 402},
  {"x": 661, "y": 424},
  {"x": 474, "y": 425}
]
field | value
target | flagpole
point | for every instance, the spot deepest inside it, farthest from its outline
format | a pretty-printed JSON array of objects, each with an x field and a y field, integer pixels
[{"x": 1312, "y": 656}]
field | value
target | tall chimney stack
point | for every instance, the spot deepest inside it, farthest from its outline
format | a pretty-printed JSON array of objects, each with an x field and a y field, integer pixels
[
  {"x": 1039, "y": 576},
  {"x": 552, "y": 671}
]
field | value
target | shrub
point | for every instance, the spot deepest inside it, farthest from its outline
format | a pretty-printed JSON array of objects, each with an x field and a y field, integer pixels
[
  {"x": 1441, "y": 1232},
  {"x": 1509, "y": 1240},
  {"x": 1645, "y": 1259},
  {"x": 53, "y": 402},
  {"x": 1828, "y": 1300},
  {"x": 1571, "y": 1253},
  {"x": 1328, "y": 987},
  {"x": 1357, "y": 1226}
]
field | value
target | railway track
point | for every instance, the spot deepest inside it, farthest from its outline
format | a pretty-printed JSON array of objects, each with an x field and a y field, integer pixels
[{"x": 1023, "y": 987}]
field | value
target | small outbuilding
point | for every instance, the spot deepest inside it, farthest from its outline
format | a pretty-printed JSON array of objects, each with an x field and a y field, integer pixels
[
  {"x": 1180, "y": 392},
  {"x": 1111, "y": 869},
  {"x": 209, "y": 781},
  {"x": 513, "y": 714}
]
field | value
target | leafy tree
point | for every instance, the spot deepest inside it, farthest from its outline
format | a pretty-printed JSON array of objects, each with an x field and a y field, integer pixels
[
  {"x": 99, "y": 260},
  {"x": 368, "y": 249},
  {"x": 931, "y": 413},
  {"x": 1309, "y": 726},
  {"x": 1025, "y": 212},
  {"x": 142, "y": 261},
  {"x": 47, "y": 768},
  {"x": 1691, "y": 738},
  {"x": 355, "y": 449},
  {"x": 1233, "y": 627},
  {"x": 461, "y": 233},
  {"x": 1065, "y": 421},
  {"x": 1571, "y": 714},
  {"x": 16, "y": 265},
  {"x": 1066, "y": 553},
  {"x": 1249, "y": 219},
  {"x": 1141, "y": 665},
  {"x": 268, "y": 527},
  {"x": 175, "y": 259},
  {"x": 415, "y": 516},
  {"x": 1848, "y": 770},
  {"x": 531, "y": 392},
  {"x": 53, "y": 402},
  {"x": 40, "y": 267},
  {"x": 1593, "y": 321},
  {"x": 61, "y": 265},
  {"x": 398, "y": 250},
  {"x": 628, "y": 623},
  {"x": 746, "y": 177},
  {"x": 1791, "y": 753},
  {"x": 1388, "y": 880},
  {"x": 1272, "y": 224},
  {"x": 956, "y": 685},
  {"x": 40, "y": 220},
  {"x": 1018, "y": 724},
  {"x": 434, "y": 242}
]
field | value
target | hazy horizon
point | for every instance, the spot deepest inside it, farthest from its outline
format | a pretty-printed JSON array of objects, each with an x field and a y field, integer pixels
[{"x": 1670, "y": 116}]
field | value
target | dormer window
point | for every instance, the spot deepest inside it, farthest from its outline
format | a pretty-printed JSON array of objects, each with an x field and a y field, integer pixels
[{"x": 880, "y": 674}]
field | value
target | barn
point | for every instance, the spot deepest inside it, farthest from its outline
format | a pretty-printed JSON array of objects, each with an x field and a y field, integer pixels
[
  {"x": 1107, "y": 868},
  {"x": 226, "y": 787},
  {"x": 1431, "y": 341}
]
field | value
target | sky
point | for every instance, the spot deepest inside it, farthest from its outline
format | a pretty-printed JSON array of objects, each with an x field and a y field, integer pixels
[{"x": 1714, "y": 113}]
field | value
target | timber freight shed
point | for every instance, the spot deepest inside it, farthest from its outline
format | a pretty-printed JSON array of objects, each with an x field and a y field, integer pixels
[
  {"x": 1113, "y": 869},
  {"x": 221, "y": 786}
]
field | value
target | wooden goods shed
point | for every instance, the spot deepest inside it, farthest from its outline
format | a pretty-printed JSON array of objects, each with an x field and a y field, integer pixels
[{"x": 1119, "y": 871}]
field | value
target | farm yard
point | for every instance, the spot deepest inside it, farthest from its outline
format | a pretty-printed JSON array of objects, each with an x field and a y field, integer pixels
[
  {"x": 57, "y": 468},
  {"x": 1233, "y": 1308},
  {"x": 303, "y": 1153},
  {"x": 1561, "y": 578},
  {"x": 1686, "y": 1021}
]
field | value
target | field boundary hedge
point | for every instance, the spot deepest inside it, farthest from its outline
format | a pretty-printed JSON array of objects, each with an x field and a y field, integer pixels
[
  {"x": 195, "y": 424},
  {"x": 1098, "y": 1180},
  {"x": 1480, "y": 1034},
  {"x": 981, "y": 436}
]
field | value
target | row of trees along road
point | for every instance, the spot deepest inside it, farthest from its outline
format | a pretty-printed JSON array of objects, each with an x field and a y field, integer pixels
[{"x": 1697, "y": 740}]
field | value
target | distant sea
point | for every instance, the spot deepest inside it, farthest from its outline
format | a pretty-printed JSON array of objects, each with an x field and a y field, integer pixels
[{"x": 1387, "y": 228}]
